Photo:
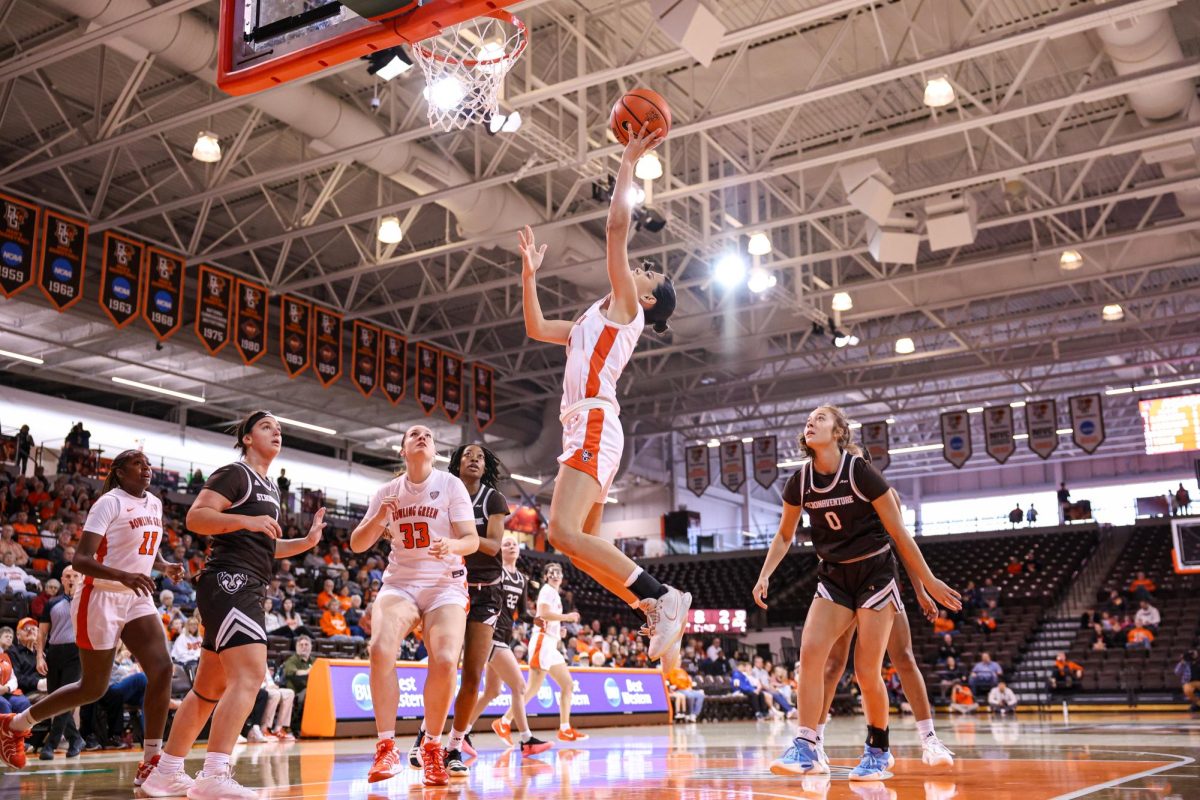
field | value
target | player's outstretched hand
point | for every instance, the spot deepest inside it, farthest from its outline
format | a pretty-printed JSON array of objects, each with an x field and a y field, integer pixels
[
  {"x": 531, "y": 254},
  {"x": 140, "y": 584},
  {"x": 175, "y": 572},
  {"x": 642, "y": 142},
  {"x": 928, "y": 607},
  {"x": 945, "y": 595},
  {"x": 760, "y": 592},
  {"x": 318, "y": 525},
  {"x": 264, "y": 524}
]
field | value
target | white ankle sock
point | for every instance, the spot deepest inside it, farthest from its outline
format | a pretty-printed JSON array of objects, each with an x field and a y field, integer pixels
[
  {"x": 925, "y": 728},
  {"x": 456, "y": 739},
  {"x": 169, "y": 765},
  {"x": 821, "y": 732},
  {"x": 151, "y": 748},
  {"x": 216, "y": 763},
  {"x": 566, "y": 726},
  {"x": 525, "y": 736},
  {"x": 381, "y": 735},
  {"x": 22, "y": 721}
]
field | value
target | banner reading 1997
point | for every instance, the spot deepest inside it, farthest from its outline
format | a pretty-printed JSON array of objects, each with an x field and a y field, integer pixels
[
  {"x": 162, "y": 307},
  {"x": 18, "y": 244},
  {"x": 121, "y": 278},
  {"x": 63, "y": 255}
]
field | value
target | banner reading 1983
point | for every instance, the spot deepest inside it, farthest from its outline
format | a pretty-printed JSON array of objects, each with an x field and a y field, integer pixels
[
  {"x": 295, "y": 329},
  {"x": 63, "y": 254},
  {"x": 18, "y": 244}
]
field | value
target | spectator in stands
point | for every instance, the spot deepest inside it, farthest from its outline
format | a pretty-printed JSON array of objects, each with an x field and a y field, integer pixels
[
  {"x": 1002, "y": 700},
  {"x": 746, "y": 685},
  {"x": 1099, "y": 637},
  {"x": 1064, "y": 503},
  {"x": 715, "y": 662},
  {"x": 16, "y": 581},
  {"x": 27, "y": 532},
  {"x": 293, "y": 623},
  {"x": 943, "y": 625},
  {"x": 186, "y": 648},
  {"x": 182, "y": 590},
  {"x": 1031, "y": 515},
  {"x": 195, "y": 481},
  {"x": 333, "y": 624},
  {"x": 1183, "y": 500},
  {"x": 971, "y": 598},
  {"x": 24, "y": 656},
  {"x": 1030, "y": 563},
  {"x": 1138, "y": 638},
  {"x": 985, "y": 622},
  {"x": 962, "y": 700},
  {"x": 990, "y": 591},
  {"x": 1065, "y": 674},
  {"x": 1013, "y": 567},
  {"x": 285, "y": 489},
  {"x": 49, "y": 591},
  {"x": 8, "y": 544},
  {"x": 328, "y": 592},
  {"x": 1189, "y": 678},
  {"x": 1116, "y": 604},
  {"x": 777, "y": 702},
  {"x": 950, "y": 674},
  {"x": 687, "y": 699},
  {"x": 166, "y": 606},
  {"x": 1147, "y": 616},
  {"x": 1141, "y": 588},
  {"x": 276, "y": 717},
  {"x": 1016, "y": 515},
  {"x": 985, "y": 674},
  {"x": 947, "y": 649},
  {"x": 59, "y": 567},
  {"x": 24, "y": 446},
  {"x": 12, "y": 701}
]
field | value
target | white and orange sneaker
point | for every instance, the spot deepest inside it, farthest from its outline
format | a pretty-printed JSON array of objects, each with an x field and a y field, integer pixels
[
  {"x": 12, "y": 743},
  {"x": 434, "y": 765},
  {"x": 666, "y": 618},
  {"x": 571, "y": 735},
  {"x": 144, "y": 769},
  {"x": 159, "y": 784},
  {"x": 387, "y": 761},
  {"x": 501, "y": 729}
]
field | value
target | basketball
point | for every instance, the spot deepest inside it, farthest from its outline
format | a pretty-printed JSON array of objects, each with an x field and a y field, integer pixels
[{"x": 637, "y": 107}]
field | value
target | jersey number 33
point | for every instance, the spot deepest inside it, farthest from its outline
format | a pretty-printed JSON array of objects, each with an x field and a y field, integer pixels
[{"x": 414, "y": 535}]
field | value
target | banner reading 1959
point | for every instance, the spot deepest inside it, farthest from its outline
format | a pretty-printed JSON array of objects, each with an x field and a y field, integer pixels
[
  {"x": 63, "y": 255},
  {"x": 162, "y": 307},
  {"x": 18, "y": 244},
  {"x": 121, "y": 278},
  {"x": 395, "y": 356},
  {"x": 295, "y": 329},
  {"x": 250, "y": 321}
]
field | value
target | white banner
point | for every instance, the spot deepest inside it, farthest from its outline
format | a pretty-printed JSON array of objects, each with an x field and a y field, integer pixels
[
  {"x": 696, "y": 472},
  {"x": 875, "y": 442},
  {"x": 766, "y": 461},
  {"x": 956, "y": 437},
  {"x": 998, "y": 433},
  {"x": 1041, "y": 423},
  {"x": 733, "y": 465},
  {"x": 1087, "y": 422}
]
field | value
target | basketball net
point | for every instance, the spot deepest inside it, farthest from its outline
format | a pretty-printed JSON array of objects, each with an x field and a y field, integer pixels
[{"x": 465, "y": 66}]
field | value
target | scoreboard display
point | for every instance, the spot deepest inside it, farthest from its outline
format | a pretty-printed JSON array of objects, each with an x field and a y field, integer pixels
[
  {"x": 717, "y": 620},
  {"x": 1172, "y": 424}
]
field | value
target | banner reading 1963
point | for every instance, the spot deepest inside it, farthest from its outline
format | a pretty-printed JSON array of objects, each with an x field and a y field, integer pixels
[
  {"x": 364, "y": 357},
  {"x": 18, "y": 244},
  {"x": 250, "y": 321},
  {"x": 395, "y": 356},
  {"x": 484, "y": 397},
  {"x": 121, "y": 278},
  {"x": 452, "y": 386},
  {"x": 63, "y": 255},
  {"x": 295, "y": 329},
  {"x": 427, "y": 378},
  {"x": 162, "y": 307},
  {"x": 327, "y": 345}
]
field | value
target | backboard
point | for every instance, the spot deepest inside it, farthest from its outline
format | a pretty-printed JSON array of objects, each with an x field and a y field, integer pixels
[
  {"x": 1185, "y": 545},
  {"x": 264, "y": 43}
]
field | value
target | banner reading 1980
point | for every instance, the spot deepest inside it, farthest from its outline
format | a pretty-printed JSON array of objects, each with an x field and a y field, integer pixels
[
  {"x": 18, "y": 244},
  {"x": 250, "y": 321}
]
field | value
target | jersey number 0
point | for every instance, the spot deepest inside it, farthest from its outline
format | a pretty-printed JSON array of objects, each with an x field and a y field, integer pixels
[{"x": 415, "y": 535}]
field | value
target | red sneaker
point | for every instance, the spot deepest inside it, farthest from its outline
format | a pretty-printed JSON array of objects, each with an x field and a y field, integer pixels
[
  {"x": 386, "y": 761},
  {"x": 144, "y": 769},
  {"x": 433, "y": 760},
  {"x": 12, "y": 743},
  {"x": 571, "y": 735},
  {"x": 503, "y": 730}
]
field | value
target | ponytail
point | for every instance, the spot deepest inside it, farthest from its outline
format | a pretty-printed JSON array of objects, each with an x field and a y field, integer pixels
[{"x": 123, "y": 458}]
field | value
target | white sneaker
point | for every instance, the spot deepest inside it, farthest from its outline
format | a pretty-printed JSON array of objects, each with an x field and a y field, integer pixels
[
  {"x": 666, "y": 618},
  {"x": 891, "y": 760},
  {"x": 161, "y": 785},
  {"x": 821, "y": 754},
  {"x": 256, "y": 735},
  {"x": 241, "y": 739},
  {"x": 219, "y": 786},
  {"x": 934, "y": 753},
  {"x": 776, "y": 714}
]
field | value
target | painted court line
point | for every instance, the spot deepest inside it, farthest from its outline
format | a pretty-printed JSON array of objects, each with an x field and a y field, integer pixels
[{"x": 1087, "y": 790}]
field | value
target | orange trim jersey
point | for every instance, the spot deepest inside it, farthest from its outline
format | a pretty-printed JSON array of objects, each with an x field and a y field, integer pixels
[
  {"x": 132, "y": 531},
  {"x": 427, "y": 511},
  {"x": 597, "y": 351}
]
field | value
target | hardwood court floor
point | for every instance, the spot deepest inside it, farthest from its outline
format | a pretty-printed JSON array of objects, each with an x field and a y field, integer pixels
[{"x": 1132, "y": 757}]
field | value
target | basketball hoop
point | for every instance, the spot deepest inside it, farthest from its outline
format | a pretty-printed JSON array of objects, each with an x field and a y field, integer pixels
[{"x": 465, "y": 66}]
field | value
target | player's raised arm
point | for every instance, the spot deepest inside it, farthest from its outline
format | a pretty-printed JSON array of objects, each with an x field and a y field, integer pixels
[
  {"x": 536, "y": 325},
  {"x": 620, "y": 215}
]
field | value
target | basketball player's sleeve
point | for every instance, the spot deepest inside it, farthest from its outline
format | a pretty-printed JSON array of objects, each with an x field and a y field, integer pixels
[
  {"x": 102, "y": 514},
  {"x": 868, "y": 481},
  {"x": 229, "y": 481},
  {"x": 460, "y": 509},
  {"x": 496, "y": 504},
  {"x": 545, "y": 595},
  {"x": 793, "y": 490}
]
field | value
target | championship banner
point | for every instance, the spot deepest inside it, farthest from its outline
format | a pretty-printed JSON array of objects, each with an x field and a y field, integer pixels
[
  {"x": 1087, "y": 422},
  {"x": 766, "y": 464},
  {"x": 364, "y": 357},
  {"x": 452, "y": 386},
  {"x": 295, "y": 329},
  {"x": 162, "y": 307},
  {"x": 956, "y": 437},
  {"x": 395, "y": 354},
  {"x": 427, "y": 378},
  {"x": 327, "y": 345},
  {"x": 63, "y": 255},
  {"x": 696, "y": 470},
  {"x": 18, "y": 244},
  {"x": 484, "y": 398},
  {"x": 876, "y": 441},
  {"x": 998, "y": 433},
  {"x": 1041, "y": 423},
  {"x": 733, "y": 465},
  {"x": 250, "y": 321},
  {"x": 121, "y": 278},
  {"x": 214, "y": 308}
]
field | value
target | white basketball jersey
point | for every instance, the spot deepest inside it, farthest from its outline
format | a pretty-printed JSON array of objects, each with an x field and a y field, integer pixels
[
  {"x": 132, "y": 531},
  {"x": 427, "y": 512},
  {"x": 597, "y": 351},
  {"x": 548, "y": 596}
]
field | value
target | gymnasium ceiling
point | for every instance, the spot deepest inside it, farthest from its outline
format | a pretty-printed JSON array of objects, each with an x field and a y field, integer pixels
[{"x": 99, "y": 120}]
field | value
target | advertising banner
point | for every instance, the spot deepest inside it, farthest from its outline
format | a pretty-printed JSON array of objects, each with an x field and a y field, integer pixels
[
  {"x": 295, "y": 329},
  {"x": 765, "y": 451},
  {"x": 327, "y": 345},
  {"x": 18, "y": 244},
  {"x": 484, "y": 397},
  {"x": 998, "y": 433},
  {"x": 876, "y": 441},
  {"x": 956, "y": 437},
  {"x": 428, "y": 359},
  {"x": 250, "y": 321},
  {"x": 1087, "y": 422},
  {"x": 162, "y": 307},
  {"x": 121, "y": 278},
  {"x": 63, "y": 255},
  {"x": 452, "y": 386},
  {"x": 395, "y": 357},
  {"x": 1041, "y": 423},
  {"x": 364, "y": 357},
  {"x": 696, "y": 465},
  {"x": 733, "y": 465}
]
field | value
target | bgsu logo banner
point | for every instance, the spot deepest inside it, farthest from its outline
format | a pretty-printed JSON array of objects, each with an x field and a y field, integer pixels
[
  {"x": 1087, "y": 422},
  {"x": 250, "y": 321},
  {"x": 364, "y": 366},
  {"x": 696, "y": 464},
  {"x": 485, "y": 399},
  {"x": 18, "y": 244},
  {"x": 956, "y": 437},
  {"x": 876, "y": 438},
  {"x": 998, "y": 432},
  {"x": 452, "y": 386},
  {"x": 327, "y": 345},
  {"x": 63, "y": 254},
  {"x": 162, "y": 307},
  {"x": 214, "y": 307},
  {"x": 427, "y": 377},
  {"x": 121, "y": 278},
  {"x": 395, "y": 356},
  {"x": 295, "y": 329},
  {"x": 764, "y": 450},
  {"x": 733, "y": 465},
  {"x": 1041, "y": 423}
]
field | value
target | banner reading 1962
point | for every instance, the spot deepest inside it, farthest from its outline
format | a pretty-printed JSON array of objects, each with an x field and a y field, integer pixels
[
  {"x": 162, "y": 307},
  {"x": 295, "y": 329},
  {"x": 18, "y": 244},
  {"x": 250, "y": 321},
  {"x": 63, "y": 255},
  {"x": 395, "y": 356}
]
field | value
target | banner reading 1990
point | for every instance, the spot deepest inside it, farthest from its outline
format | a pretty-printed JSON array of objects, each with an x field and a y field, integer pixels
[
  {"x": 327, "y": 345},
  {"x": 18, "y": 244}
]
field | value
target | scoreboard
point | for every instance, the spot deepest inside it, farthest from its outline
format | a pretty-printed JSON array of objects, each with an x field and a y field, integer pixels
[
  {"x": 1172, "y": 424},
  {"x": 717, "y": 620}
]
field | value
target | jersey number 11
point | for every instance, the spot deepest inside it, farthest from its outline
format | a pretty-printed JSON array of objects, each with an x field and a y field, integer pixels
[{"x": 149, "y": 543}]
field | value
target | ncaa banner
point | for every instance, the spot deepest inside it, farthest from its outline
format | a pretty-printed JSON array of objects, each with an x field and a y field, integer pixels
[
  {"x": 327, "y": 345},
  {"x": 484, "y": 398},
  {"x": 18, "y": 244},
  {"x": 998, "y": 433},
  {"x": 63, "y": 255},
  {"x": 696, "y": 470},
  {"x": 427, "y": 377},
  {"x": 121, "y": 278},
  {"x": 295, "y": 329},
  {"x": 733, "y": 465},
  {"x": 766, "y": 465},
  {"x": 956, "y": 437},
  {"x": 395, "y": 354},
  {"x": 250, "y": 321},
  {"x": 162, "y": 307},
  {"x": 452, "y": 386},
  {"x": 214, "y": 308},
  {"x": 1041, "y": 423},
  {"x": 364, "y": 357},
  {"x": 1087, "y": 422},
  {"x": 876, "y": 441}
]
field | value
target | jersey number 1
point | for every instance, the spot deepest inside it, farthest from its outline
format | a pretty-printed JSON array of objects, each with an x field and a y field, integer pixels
[
  {"x": 415, "y": 535},
  {"x": 149, "y": 543}
]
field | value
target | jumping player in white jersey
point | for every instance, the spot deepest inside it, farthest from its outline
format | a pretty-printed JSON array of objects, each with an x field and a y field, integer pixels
[
  {"x": 599, "y": 345},
  {"x": 431, "y": 523},
  {"x": 544, "y": 656},
  {"x": 118, "y": 550}
]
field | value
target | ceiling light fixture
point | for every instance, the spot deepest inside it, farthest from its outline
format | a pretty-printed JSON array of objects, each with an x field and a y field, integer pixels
[
  {"x": 842, "y": 302},
  {"x": 916, "y": 448},
  {"x": 1112, "y": 313},
  {"x": 504, "y": 123},
  {"x": 730, "y": 270},
  {"x": 21, "y": 357},
  {"x": 760, "y": 280},
  {"x": 1017, "y": 404},
  {"x": 445, "y": 93},
  {"x": 939, "y": 93},
  {"x": 1070, "y": 260},
  {"x": 905, "y": 346},
  {"x": 308, "y": 426},
  {"x": 714, "y": 443},
  {"x": 759, "y": 244},
  {"x": 747, "y": 439},
  {"x": 195, "y": 398},
  {"x": 648, "y": 167},
  {"x": 207, "y": 148},
  {"x": 1150, "y": 387},
  {"x": 389, "y": 230},
  {"x": 525, "y": 479}
]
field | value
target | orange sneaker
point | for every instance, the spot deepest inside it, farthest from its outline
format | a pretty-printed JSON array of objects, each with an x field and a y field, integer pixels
[
  {"x": 433, "y": 761},
  {"x": 143, "y": 771},
  {"x": 12, "y": 743},
  {"x": 503, "y": 730},
  {"x": 571, "y": 735},
  {"x": 387, "y": 760}
]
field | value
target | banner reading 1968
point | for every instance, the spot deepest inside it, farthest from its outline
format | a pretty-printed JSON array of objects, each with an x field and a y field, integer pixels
[
  {"x": 250, "y": 321},
  {"x": 162, "y": 307},
  {"x": 63, "y": 255},
  {"x": 121, "y": 278},
  {"x": 295, "y": 329},
  {"x": 18, "y": 244}
]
